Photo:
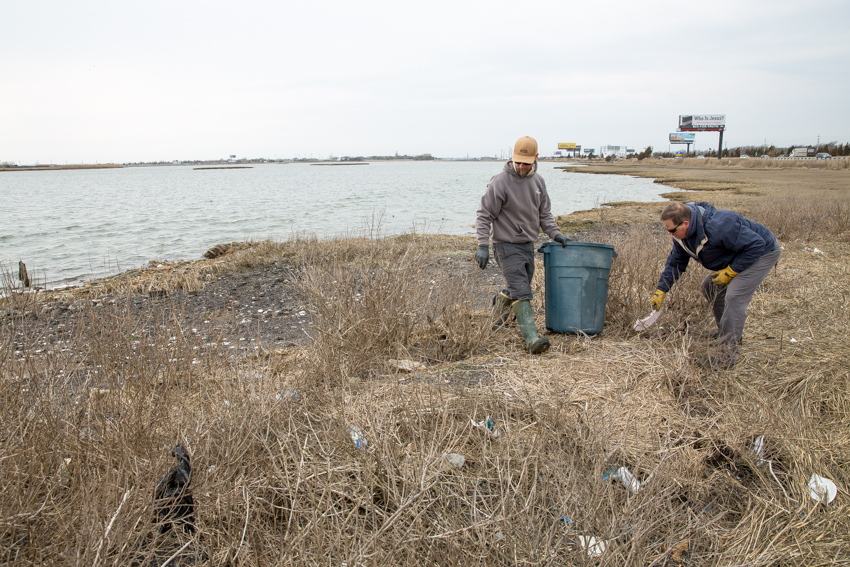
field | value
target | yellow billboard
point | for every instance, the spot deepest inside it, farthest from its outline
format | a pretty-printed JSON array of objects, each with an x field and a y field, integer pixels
[{"x": 566, "y": 146}]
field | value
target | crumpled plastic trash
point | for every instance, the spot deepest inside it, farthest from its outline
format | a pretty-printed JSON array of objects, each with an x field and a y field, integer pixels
[
  {"x": 595, "y": 546},
  {"x": 648, "y": 321},
  {"x": 65, "y": 470},
  {"x": 758, "y": 449},
  {"x": 488, "y": 426},
  {"x": 358, "y": 437},
  {"x": 625, "y": 476},
  {"x": 455, "y": 459},
  {"x": 406, "y": 365},
  {"x": 173, "y": 502},
  {"x": 821, "y": 489}
]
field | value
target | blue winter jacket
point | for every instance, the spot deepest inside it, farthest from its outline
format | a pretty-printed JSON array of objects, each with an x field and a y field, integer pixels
[{"x": 716, "y": 239}]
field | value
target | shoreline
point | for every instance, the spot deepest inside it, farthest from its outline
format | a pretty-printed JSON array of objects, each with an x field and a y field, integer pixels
[
  {"x": 58, "y": 167},
  {"x": 733, "y": 188}
]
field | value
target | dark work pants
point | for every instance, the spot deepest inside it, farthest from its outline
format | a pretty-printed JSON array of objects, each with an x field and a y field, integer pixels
[
  {"x": 729, "y": 302},
  {"x": 517, "y": 264}
]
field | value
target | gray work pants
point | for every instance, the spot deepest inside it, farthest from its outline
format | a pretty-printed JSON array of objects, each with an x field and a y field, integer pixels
[
  {"x": 517, "y": 264},
  {"x": 729, "y": 302}
]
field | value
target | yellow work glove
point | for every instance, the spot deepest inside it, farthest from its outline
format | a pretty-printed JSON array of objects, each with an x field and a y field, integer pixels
[
  {"x": 724, "y": 276},
  {"x": 657, "y": 298}
]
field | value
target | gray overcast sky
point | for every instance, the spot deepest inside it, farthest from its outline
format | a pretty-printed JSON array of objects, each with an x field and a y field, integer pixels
[{"x": 124, "y": 82}]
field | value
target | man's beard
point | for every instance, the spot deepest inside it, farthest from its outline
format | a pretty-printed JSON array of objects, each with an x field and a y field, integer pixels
[{"x": 524, "y": 172}]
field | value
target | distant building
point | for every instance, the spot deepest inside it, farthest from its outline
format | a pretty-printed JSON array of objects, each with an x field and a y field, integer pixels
[{"x": 616, "y": 151}]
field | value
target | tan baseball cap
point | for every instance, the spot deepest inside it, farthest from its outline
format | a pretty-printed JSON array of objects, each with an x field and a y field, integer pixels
[{"x": 525, "y": 150}]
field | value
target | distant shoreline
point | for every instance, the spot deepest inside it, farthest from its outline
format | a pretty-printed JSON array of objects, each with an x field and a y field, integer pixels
[
  {"x": 55, "y": 167},
  {"x": 226, "y": 167}
]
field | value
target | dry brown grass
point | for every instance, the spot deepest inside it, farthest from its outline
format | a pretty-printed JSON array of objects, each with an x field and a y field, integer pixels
[
  {"x": 754, "y": 163},
  {"x": 278, "y": 480}
]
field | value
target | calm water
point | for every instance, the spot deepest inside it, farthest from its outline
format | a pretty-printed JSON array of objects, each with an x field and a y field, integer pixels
[{"x": 69, "y": 226}]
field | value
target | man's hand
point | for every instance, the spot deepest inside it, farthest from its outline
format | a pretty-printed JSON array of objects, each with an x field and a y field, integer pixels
[
  {"x": 656, "y": 299},
  {"x": 561, "y": 239},
  {"x": 482, "y": 256},
  {"x": 724, "y": 276}
]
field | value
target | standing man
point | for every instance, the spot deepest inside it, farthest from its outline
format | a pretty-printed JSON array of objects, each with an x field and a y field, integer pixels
[
  {"x": 513, "y": 210},
  {"x": 740, "y": 252}
]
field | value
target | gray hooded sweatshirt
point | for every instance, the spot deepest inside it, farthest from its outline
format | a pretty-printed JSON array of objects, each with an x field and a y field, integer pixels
[{"x": 514, "y": 208}]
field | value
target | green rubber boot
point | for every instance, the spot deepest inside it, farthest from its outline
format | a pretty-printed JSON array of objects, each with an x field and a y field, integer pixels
[
  {"x": 501, "y": 311},
  {"x": 525, "y": 318}
]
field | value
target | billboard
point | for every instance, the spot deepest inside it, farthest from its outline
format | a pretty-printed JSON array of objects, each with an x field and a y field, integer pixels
[
  {"x": 683, "y": 138},
  {"x": 701, "y": 122},
  {"x": 566, "y": 146}
]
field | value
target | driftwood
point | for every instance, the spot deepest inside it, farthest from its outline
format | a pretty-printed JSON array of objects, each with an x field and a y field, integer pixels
[{"x": 22, "y": 274}]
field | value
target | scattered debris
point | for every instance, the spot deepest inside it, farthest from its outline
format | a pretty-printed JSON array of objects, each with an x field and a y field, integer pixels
[
  {"x": 488, "y": 426},
  {"x": 454, "y": 459},
  {"x": 625, "y": 476},
  {"x": 358, "y": 437},
  {"x": 821, "y": 488},
  {"x": 289, "y": 395},
  {"x": 678, "y": 553},
  {"x": 65, "y": 470},
  {"x": 758, "y": 449},
  {"x": 406, "y": 365},
  {"x": 593, "y": 545},
  {"x": 648, "y": 321},
  {"x": 173, "y": 502}
]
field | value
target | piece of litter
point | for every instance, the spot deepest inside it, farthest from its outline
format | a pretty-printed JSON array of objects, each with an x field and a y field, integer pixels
[
  {"x": 454, "y": 459},
  {"x": 488, "y": 426},
  {"x": 647, "y": 322},
  {"x": 625, "y": 476},
  {"x": 406, "y": 365},
  {"x": 594, "y": 546},
  {"x": 758, "y": 449},
  {"x": 821, "y": 488},
  {"x": 816, "y": 251},
  {"x": 358, "y": 437},
  {"x": 793, "y": 340}
]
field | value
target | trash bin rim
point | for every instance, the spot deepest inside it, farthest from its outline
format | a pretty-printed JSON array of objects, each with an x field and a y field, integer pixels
[{"x": 575, "y": 243}]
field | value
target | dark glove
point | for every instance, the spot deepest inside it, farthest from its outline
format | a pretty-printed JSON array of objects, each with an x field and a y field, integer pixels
[
  {"x": 561, "y": 239},
  {"x": 482, "y": 256}
]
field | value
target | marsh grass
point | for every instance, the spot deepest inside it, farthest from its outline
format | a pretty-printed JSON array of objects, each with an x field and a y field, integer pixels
[
  {"x": 756, "y": 163},
  {"x": 278, "y": 480}
]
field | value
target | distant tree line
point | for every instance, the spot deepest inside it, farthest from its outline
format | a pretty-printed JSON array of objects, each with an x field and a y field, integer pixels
[{"x": 832, "y": 148}]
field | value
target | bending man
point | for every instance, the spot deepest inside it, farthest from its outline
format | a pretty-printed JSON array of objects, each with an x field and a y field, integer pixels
[
  {"x": 513, "y": 210},
  {"x": 740, "y": 253}
]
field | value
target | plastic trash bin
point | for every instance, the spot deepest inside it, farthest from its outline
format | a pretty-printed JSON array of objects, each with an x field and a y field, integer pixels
[{"x": 576, "y": 283}]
